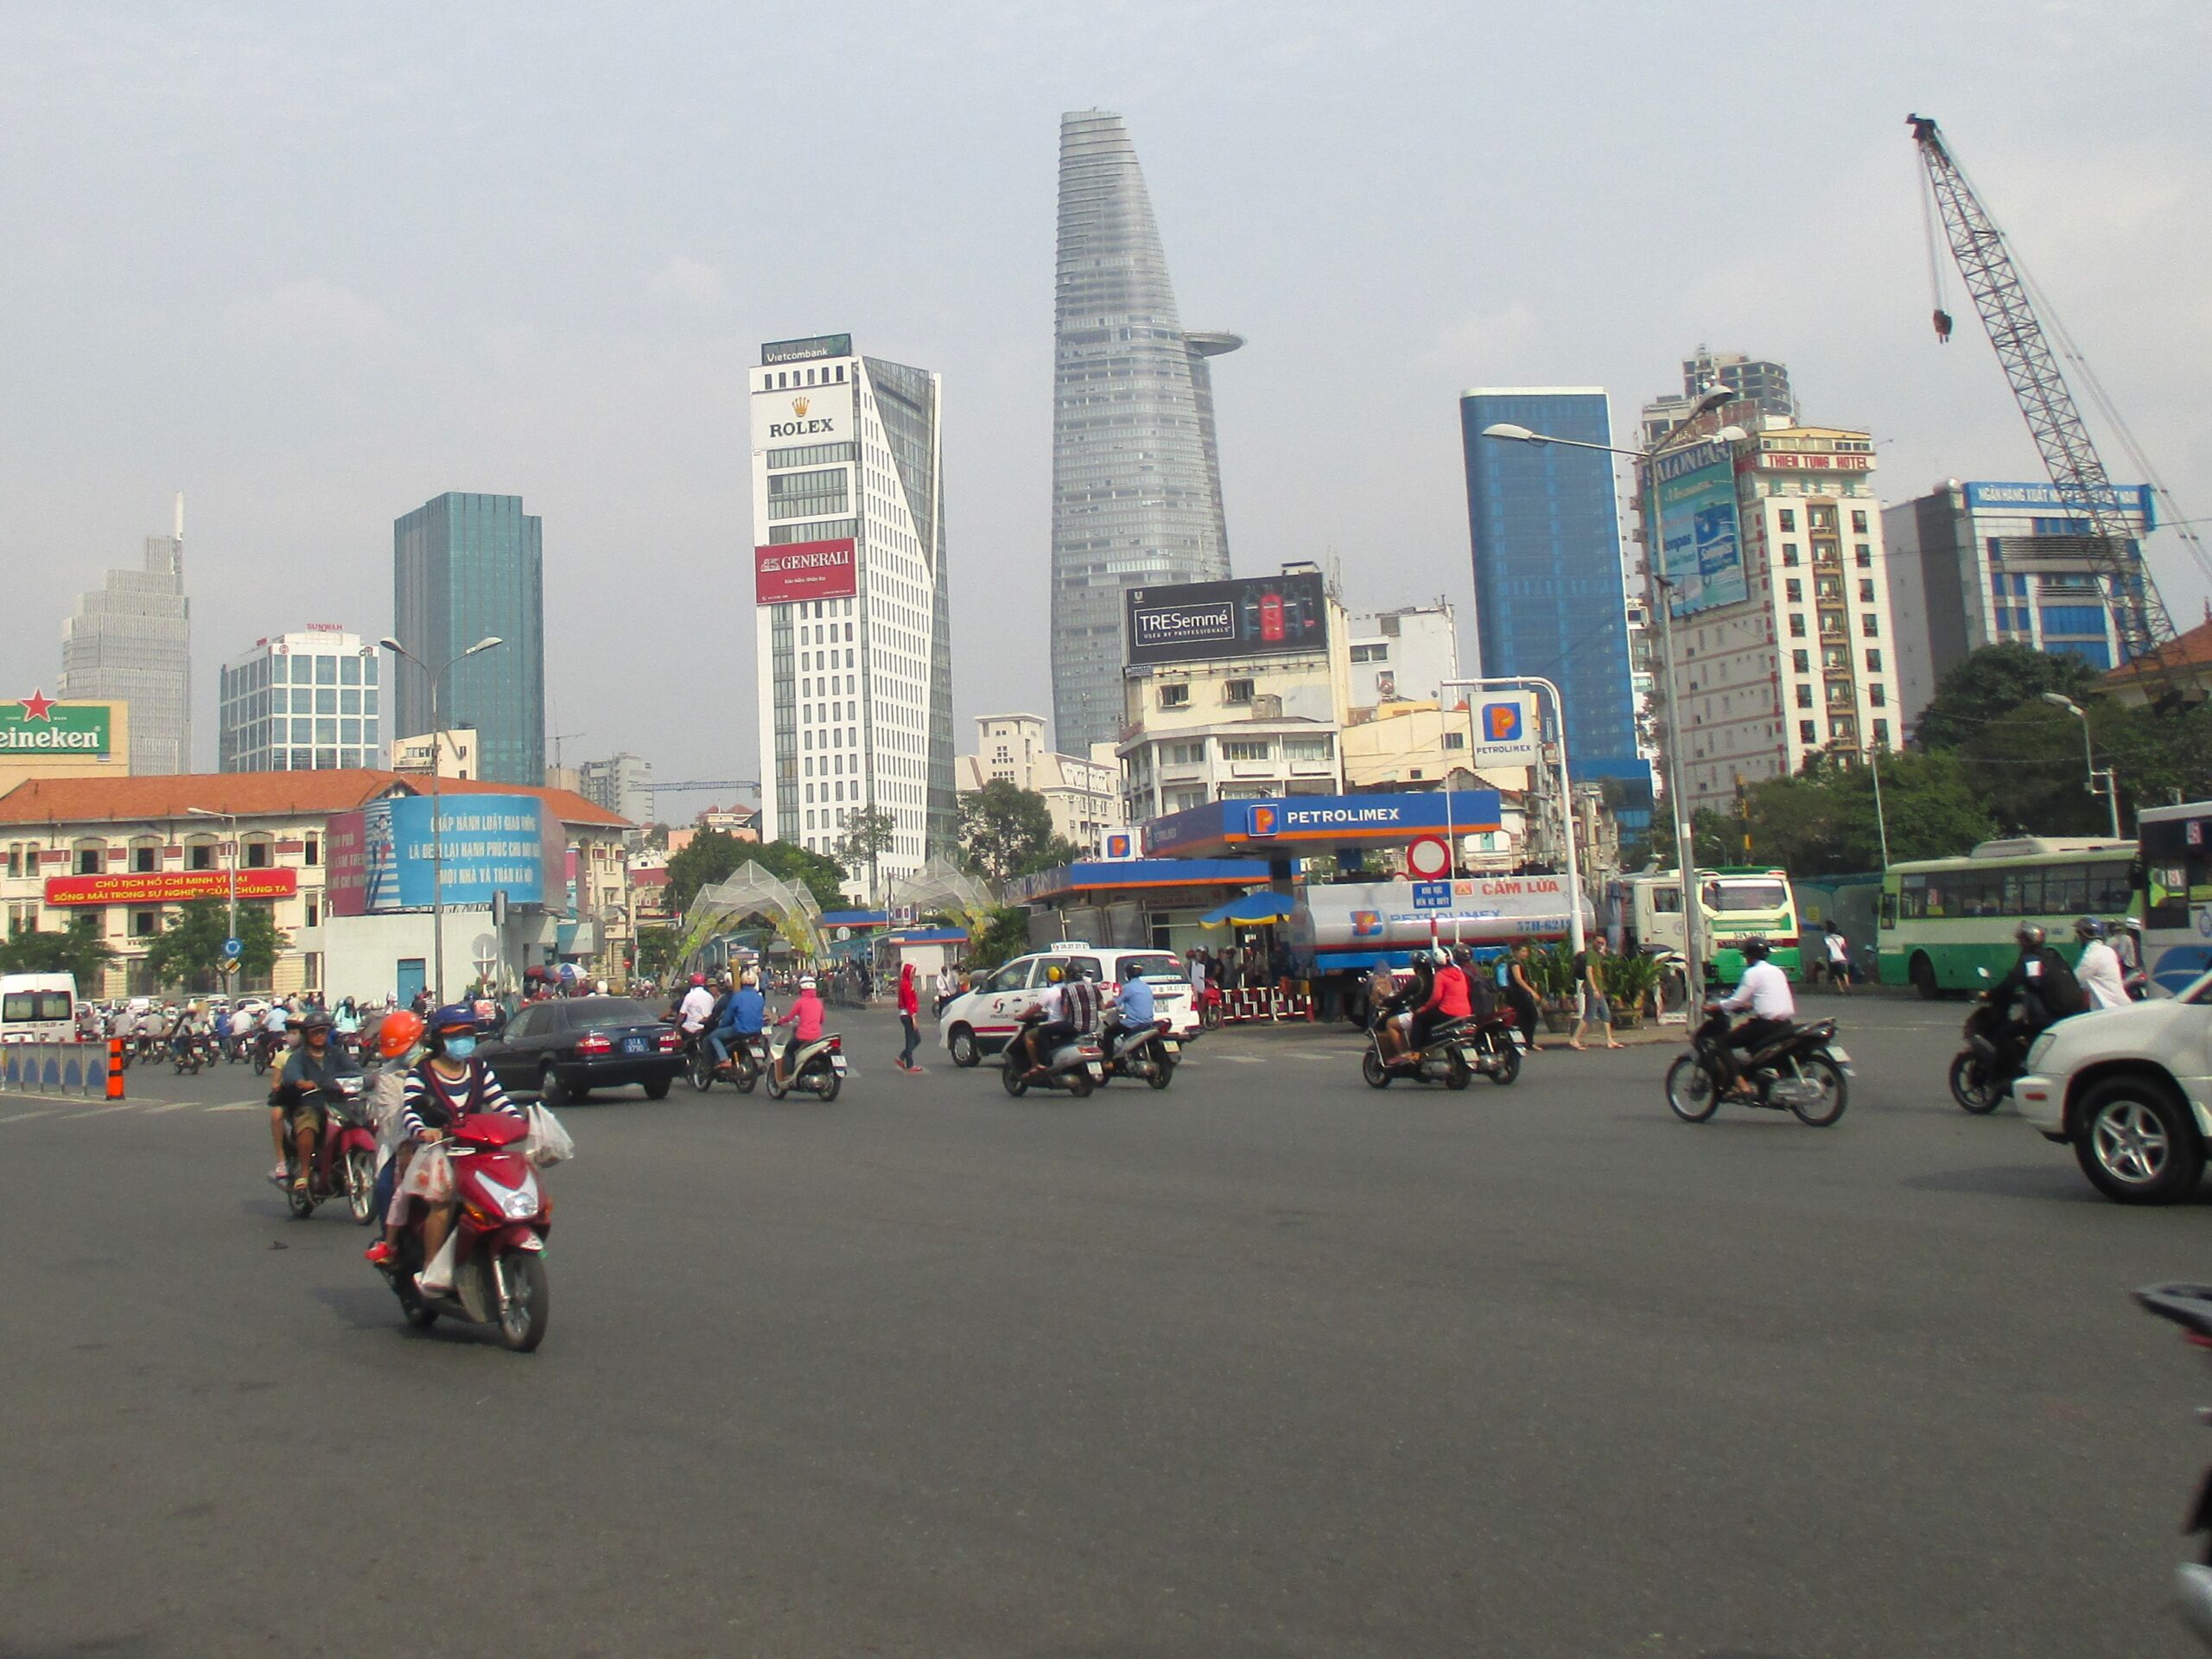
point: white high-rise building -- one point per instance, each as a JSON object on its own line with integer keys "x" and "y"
{"x": 854, "y": 644}
{"x": 131, "y": 641}
{"x": 623, "y": 783}
{"x": 302, "y": 701}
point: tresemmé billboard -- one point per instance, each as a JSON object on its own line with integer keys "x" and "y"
{"x": 1209, "y": 621}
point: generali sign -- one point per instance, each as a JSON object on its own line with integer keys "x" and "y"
{"x": 800, "y": 570}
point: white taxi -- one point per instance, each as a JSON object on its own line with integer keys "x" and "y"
{"x": 980, "y": 1021}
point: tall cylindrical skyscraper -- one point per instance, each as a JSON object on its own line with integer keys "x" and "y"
{"x": 1136, "y": 474}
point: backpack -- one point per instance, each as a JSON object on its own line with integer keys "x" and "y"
{"x": 2060, "y": 992}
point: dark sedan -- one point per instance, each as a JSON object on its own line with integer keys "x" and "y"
{"x": 563, "y": 1049}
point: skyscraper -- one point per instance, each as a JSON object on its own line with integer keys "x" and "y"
{"x": 1757, "y": 380}
{"x": 1136, "y": 471}
{"x": 1551, "y": 597}
{"x": 855, "y": 640}
{"x": 464, "y": 567}
{"x": 623, "y": 783}
{"x": 300, "y": 702}
{"x": 131, "y": 641}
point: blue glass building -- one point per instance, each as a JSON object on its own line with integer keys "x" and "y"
{"x": 463, "y": 566}
{"x": 1550, "y": 597}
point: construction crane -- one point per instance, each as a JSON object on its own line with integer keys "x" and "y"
{"x": 2000, "y": 289}
{"x": 714, "y": 785}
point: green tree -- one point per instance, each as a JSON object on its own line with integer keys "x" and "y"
{"x": 2030, "y": 762}
{"x": 869, "y": 834}
{"x": 657, "y": 948}
{"x": 1006, "y": 831}
{"x": 1993, "y": 680}
{"x": 1823, "y": 821}
{"x": 1004, "y": 936}
{"x": 715, "y": 856}
{"x": 190, "y": 949}
{"x": 77, "y": 949}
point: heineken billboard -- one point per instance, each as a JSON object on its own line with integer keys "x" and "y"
{"x": 39, "y": 725}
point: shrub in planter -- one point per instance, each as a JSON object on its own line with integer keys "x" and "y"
{"x": 1551, "y": 970}
{"x": 1629, "y": 981}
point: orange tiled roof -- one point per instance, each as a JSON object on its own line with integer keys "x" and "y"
{"x": 2189, "y": 650}
{"x": 253, "y": 794}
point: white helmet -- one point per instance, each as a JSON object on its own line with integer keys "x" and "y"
{"x": 806, "y": 981}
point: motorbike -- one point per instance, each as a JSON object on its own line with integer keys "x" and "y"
{"x": 498, "y": 1238}
{"x": 2191, "y": 1308}
{"x": 1078, "y": 1066}
{"x": 1150, "y": 1052}
{"x": 348, "y": 1153}
{"x": 1984, "y": 1071}
{"x": 1799, "y": 1070}
{"x": 196, "y": 1051}
{"x": 748, "y": 1060}
{"x": 1210, "y": 1002}
{"x": 267, "y": 1044}
{"x": 818, "y": 1068}
{"x": 1457, "y": 1052}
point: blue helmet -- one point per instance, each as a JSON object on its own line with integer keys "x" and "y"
{"x": 453, "y": 1020}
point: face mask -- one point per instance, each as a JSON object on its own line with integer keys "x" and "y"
{"x": 459, "y": 1048}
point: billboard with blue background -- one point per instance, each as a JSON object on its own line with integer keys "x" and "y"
{"x": 381, "y": 856}
{"x": 1701, "y": 550}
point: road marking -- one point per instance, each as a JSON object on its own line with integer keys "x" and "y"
{"x": 106, "y": 1111}
{"x": 1244, "y": 1059}
{"x": 22, "y": 1117}
{"x": 168, "y": 1106}
{"x": 242, "y": 1106}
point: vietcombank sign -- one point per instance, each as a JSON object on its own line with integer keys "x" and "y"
{"x": 39, "y": 725}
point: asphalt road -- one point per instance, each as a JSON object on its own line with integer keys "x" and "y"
{"x": 1267, "y": 1365}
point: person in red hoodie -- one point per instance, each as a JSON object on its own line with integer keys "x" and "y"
{"x": 1448, "y": 1000}
{"x": 910, "y": 1006}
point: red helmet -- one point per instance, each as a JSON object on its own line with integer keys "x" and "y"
{"x": 401, "y": 1030}
{"x": 699, "y": 979}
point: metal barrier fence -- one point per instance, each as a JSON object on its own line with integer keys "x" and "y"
{"x": 69, "y": 1068}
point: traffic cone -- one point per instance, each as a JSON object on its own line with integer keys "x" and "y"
{"x": 115, "y": 1068}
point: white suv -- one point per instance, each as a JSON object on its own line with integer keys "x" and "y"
{"x": 979, "y": 1021}
{"x": 2131, "y": 1090}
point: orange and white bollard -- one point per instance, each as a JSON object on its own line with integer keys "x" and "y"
{"x": 115, "y": 1068}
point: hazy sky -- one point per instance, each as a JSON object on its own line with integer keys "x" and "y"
{"x": 314, "y": 266}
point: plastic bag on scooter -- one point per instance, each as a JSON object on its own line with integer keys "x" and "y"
{"x": 429, "y": 1177}
{"x": 547, "y": 1143}
{"x": 437, "y": 1275}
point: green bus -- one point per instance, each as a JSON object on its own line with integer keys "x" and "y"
{"x": 1734, "y": 902}
{"x": 1947, "y": 922}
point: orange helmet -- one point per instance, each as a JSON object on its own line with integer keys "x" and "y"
{"x": 401, "y": 1030}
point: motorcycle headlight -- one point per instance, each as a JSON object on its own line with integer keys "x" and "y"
{"x": 520, "y": 1207}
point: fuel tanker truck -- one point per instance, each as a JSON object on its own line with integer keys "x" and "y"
{"x": 1341, "y": 930}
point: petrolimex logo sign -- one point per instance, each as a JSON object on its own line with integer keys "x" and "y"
{"x": 39, "y": 725}
{"x": 1505, "y": 730}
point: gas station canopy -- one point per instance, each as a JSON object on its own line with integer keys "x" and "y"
{"x": 1297, "y": 824}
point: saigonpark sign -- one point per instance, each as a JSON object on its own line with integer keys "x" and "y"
{"x": 800, "y": 570}
{"x": 39, "y": 725}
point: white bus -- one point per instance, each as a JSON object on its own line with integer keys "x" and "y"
{"x": 38, "y": 1009}
{"x": 2176, "y": 869}
{"x": 1734, "y": 902}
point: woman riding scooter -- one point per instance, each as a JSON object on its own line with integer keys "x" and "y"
{"x": 451, "y": 1084}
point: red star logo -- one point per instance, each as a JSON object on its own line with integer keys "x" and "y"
{"x": 38, "y": 706}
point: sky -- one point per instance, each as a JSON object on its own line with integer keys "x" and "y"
{"x": 315, "y": 265}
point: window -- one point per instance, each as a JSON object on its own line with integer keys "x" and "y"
{"x": 1877, "y": 694}
{"x": 256, "y": 855}
{"x": 1858, "y": 522}
{"x": 145, "y": 856}
{"x": 1865, "y": 592}
{"x": 1788, "y": 517}
{"x": 1869, "y": 627}
{"x": 1862, "y": 555}
{"x": 1175, "y": 697}
{"x": 1804, "y": 696}
{"x": 1666, "y": 901}
{"x": 1820, "y": 517}
{"x": 1237, "y": 691}
{"x": 1797, "y": 626}
{"x": 1371, "y": 653}
{"x": 314, "y": 852}
{"x": 1805, "y": 732}
{"x": 144, "y": 924}
{"x": 1882, "y": 733}
{"x": 1455, "y": 740}
{"x": 1873, "y": 659}
{"x": 200, "y": 855}
{"x": 1012, "y": 976}
{"x": 90, "y": 858}
{"x": 1790, "y": 554}
{"x": 1840, "y": 731}
{"x": 314, "y": 913}
{"x": 1320, "y": 749}
{"x": 1237, "y": 748}
{"x": 1794, "y": 591}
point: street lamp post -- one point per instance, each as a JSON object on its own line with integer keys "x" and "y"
{"x": 1677, "y": 803}
{"x": 230, "y": 930}
{"x": 437, "y": 803}
{"x": 2111, "y": 790}
{"x": 1576, "y": 938}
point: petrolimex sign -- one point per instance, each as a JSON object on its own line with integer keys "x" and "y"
{"x": 39, "y": 725}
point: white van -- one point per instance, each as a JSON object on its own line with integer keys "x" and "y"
{"x": 38, "y": 1008}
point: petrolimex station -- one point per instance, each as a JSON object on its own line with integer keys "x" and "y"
{"x": 1297, "y": 871}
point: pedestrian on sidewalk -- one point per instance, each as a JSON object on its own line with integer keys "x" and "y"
{"x": 1596, "y": 1011}
{"x": 1521, "y": 995}
{"x": 910, "y": 1004}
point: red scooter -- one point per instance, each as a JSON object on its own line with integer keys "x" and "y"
{"x": 498, "y": 1237}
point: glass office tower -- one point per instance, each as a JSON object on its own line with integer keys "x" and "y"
{"x": 1136, "y": 473}
{"x": 463, "y": 566}
{"x": 302, "y": 701}
{"x": 1550, "y": 594}
{"x": 131, "y": 641}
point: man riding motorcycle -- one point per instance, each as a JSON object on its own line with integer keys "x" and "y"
{"x": 1132, "y": 1010}
{"x": 2038, "y": 992}
{"x": 1067, "y": 1009}
{"x": 2097, "y": 970}
{"x": 697, "y": 1006}
{"x": 805, "y": 1017}
{"x": 1765, "y": 993}
{"x": 743, "y": 1017}
{"x": 451, "y": 1083}
{"x": 1448, "y": 999}
{"x": 295, "y": 1107}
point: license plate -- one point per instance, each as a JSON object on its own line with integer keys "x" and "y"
{"x": 1098, "y": 1071}
{"x": 634, "y": 1045}
{"x": 1842, "y": 1060}
{"x": 1171, "y": 1046}
{"x": 838, "y": 1064}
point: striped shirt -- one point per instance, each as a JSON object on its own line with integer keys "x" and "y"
{"x": 432, "y": 1102}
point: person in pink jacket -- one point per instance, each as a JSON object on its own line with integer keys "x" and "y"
{"x": 910, "y": 1006}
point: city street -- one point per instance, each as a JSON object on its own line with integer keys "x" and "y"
{"x": 1270, "y": 1364}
